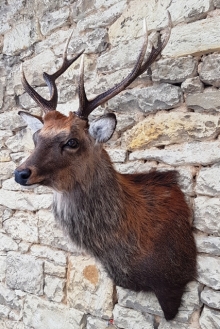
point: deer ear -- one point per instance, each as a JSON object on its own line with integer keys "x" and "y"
{"x": 103, "y": 128}
{"x": 35, "y": 123}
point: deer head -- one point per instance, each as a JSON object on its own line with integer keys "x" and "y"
{"x": 67, "y": 148}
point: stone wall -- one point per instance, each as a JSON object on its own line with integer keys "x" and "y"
{"x": 169, "y": 118}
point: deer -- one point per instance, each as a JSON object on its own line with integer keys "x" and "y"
{"x": 138, "y": 226}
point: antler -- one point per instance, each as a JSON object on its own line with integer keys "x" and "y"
{"x": 87, "y": 106}
{"x": 51, "y": 104}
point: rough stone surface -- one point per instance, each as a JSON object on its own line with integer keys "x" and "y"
{"x": 117, "y": 155}
{"x": 54, "y": 20}
{"x": 54, "y": 288}
{"x": 216, "y": 3}
{"x": 206, "y": 214}
{"x": 93, "y": 323}
{"x": 193, "y": 153}
{"x": 209, "y": 71}
{"x": 209, "y": 318}
{"x": 57, "y": 256}
{"x": 211, "y": 298}
{"x": 192, "y": 86}
{"x": 7, "y": 243}
{"x": 24, "y": 272}
{"x": 203, "y": 40}
{"x": 131, "y": 319}
{"x": 161, "y": 97}
{"x": 42, "y": 314}
{"x": 208, "y": 181}
{"x": 208, "y": 101}
{"x": 209, "y": 271}
{"x": 208, "y": 244}
{"x": 174, "y": 70}
{"x": 171, "y": 128}
{"x": 89, "y": 288}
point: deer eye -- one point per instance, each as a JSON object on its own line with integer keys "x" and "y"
{"x": 73, "y": 143}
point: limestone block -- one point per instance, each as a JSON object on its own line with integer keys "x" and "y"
{"x": 211, "y": 298}
{"x": 26, "y": 102}
{"x": 131, "y": 319}
{"x": 4, "y": 311}
{"x": 208, "y": 181}
{"x": 209, "y": 271}
{"x": 147, "y": 301}
{"x": 209, "y": 319}
{"x": 166, "y": 128}
{"x": 89, "y": 289}
{"x": 7, "y": 243}
{"x": 53, "y": 269}
{"x": 192, "y": 86}
{"x": 5, "y": 156}
{"x": 207, "y": 101}
{"x": 82, "y": 9}
{"x": 194, "y": 153}
{"x": 174, "y": 70}
{"x": 19, "y": 37}
{"x": 21, "y": 142}
{"x": 24, "y": 272}
{"x": 133, "y": 167}
{"x": 173, "y": 325}
{"x": 6, "y": 169}
{"x": 51, "y": 234}
{"x": 158, "y": 97}
{"x": 3, "y": 136}
{"x": 24, "y": 200}
{"x": 206, "y": 215}
{"x": 208, "y": 244}
{"x": 39, "y": 314}
{"x": 52, "y": 20}
{"x": 209, "y": 72}
{"x": 22, "y": 226}
{"x": 10, "y": 121}
{"x": 216, "y": 3}
{"x": 103, "y": 18}
{"x": 54, "y": 288}
{"x": 2, "y": 84}
{"x": 117, "y": 155}
{"x": 129, "y": 25}
{"x": 2, "y": 267}
{"x": 10, "y": 298}
{"x": 94, "y": 323}
{"x": 56, "y": 256}
{"x": 194, "y": 39}
{"x": 8, "y": 324}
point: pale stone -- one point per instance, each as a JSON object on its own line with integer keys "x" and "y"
{"x": 57, "y": 256}
{"x": 216, "y": 3}
{"x": 209, "y": 319}
{"x": 209, "y": 72}
{"x": 10, "y": 298}
{"x": 158, "y": 97}
{"x": 171, "y": 128}
{"x": 54, "y": 288}
{"x": 194, "y": 39}
{"x": 209, "y": 271}
{"x": 26, "y": 102}
{"x": 95, "y": 323}
{"x": 2, "y": 267}
{"x": 147, "y": 301}
{"x": 24, "y": 272}
{"x": 24, "y": 201}
{"x": 51, "y": 234}
{"x": 24, "y": 247}
{"x": 194, "y": 153}
{"x": 6, "y": 169}
{"x": 208, "y": 244}
{"x": 22, "y": 226}
{"x": 5, "y": 156}
{"x": 89, "y": 289}
{"x": 103, "y": 18}
{"x": 124, "y": 122}
{"x": 8, "y": 324}
{"x": 206, "y": 215}
{"x": 117, "y": 155}
{"x": 131, "y": 319}
{"x": 208, "y": 181}
{"x": 19, "y": 37}
{"x": 53, "y": 269}
{"x": 39, "y": 314}
{"x": 208, "y": 101}
{"x": 133, "y": 167}
{"x": 54, "y": 20}
{"x": 7, "y": 243}
{"x": 10, "y": 121}
{"x": 211, "y": 298}
{"x": 192, "y": 86}
{"x": 4, "y": 311}
{"x": 173, "y": 325}
{"x": 174, "y": 70}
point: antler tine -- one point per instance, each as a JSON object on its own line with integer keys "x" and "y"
{"x": 51, "y": 104}
{"x": 138, "y": 69}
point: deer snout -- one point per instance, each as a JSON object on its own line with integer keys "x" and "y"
{"x": 22, "y": 176}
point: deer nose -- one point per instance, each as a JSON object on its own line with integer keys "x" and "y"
{"x": 22, "y": 176}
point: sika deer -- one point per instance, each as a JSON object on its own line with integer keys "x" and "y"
{"x": 136, "y": 225}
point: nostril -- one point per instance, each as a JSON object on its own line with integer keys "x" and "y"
{"x": 21, "y": 176}
{"x": 25, "y": 174}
